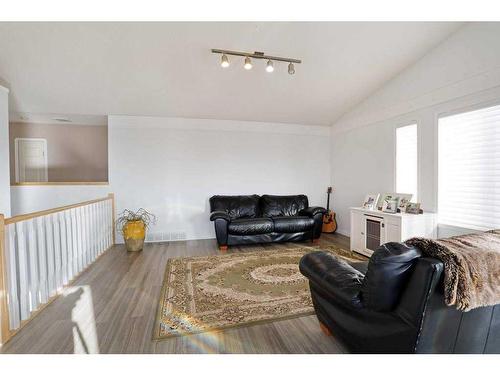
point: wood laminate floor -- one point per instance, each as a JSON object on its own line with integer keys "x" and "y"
{"x": 111, "y": 308}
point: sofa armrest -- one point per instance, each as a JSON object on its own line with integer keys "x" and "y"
{"x": 312, "y": 211}
{"x": 317, "y": 214}
{"x": 333, "y": 276}
{"x": 221, "y": 222}
{"x": 423, "y": 282}
{"x": 219, "y": 215}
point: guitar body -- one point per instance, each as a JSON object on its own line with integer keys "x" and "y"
{"x": 329, "y": 221}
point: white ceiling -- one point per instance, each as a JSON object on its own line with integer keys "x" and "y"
{"x": 167, "y": 69}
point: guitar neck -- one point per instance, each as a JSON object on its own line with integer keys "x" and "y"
{"x": 328, "y": 202}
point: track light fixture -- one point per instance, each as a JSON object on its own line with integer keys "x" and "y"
{"x": 224, "y": 62}
{"x": 256, "y": 55}
{"x": 269, "y": 67}
{"x": 248, "y": 63}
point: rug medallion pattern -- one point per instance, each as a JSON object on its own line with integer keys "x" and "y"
{"x": 215, "y": 292}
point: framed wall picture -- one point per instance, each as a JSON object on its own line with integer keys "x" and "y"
{"x": 390, "y": 205}
{"x": 404, "y": 199}
{"x": 371, "y": 201}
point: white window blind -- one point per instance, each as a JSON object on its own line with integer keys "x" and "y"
{"x": 407, "y": 160}
{"x": 469, "y": 169}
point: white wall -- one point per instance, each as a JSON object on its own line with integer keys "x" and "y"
{"x": 171, "y": 166}
{"x": 4, "y": 153}
{"x": 462, "y": 73}
{"x": 26, "y": 199}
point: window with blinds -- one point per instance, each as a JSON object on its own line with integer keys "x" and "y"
{"x": 406, "y": 160}
{"x": 469, "y": 169}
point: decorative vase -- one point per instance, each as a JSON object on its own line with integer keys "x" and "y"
{"x": 134, "y": 232}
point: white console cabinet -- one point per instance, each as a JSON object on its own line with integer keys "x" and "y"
{"x": 372, "y": 228}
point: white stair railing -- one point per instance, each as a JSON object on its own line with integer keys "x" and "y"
{"x": 42, "y": 252}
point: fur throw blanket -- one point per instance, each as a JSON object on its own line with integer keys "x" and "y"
{"x": 471, "y": 267}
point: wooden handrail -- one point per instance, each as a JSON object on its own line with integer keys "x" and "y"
{"x": 15, "y": 219}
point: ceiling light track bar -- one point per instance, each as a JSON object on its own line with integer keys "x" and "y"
{"x": 256, "y": 55}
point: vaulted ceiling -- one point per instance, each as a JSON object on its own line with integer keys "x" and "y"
{"x": 167, "y": 69}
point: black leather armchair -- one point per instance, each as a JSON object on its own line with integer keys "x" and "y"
{"x": 395, "y": 304}
{"x": 247, "y": 219}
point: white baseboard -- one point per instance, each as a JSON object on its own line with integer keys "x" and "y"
{"x": 343, "y": 232}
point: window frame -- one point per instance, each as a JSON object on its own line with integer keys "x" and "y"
{"x": 398, "y": 125}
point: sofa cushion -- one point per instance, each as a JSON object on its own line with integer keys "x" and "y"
{"x": 389, "y": 269}
{"x": 236, "y": 206}
{"x": 282, "y": 205}
{"x": 292, "y": 224}
{"x": 245, "y": 227}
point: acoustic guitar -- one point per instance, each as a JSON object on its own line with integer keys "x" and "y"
{"x": 329, "y": 221}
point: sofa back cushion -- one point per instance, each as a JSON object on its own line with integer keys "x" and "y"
{"x": 389, "y": 269}
{"x": 282, "y": 205}
{"x": 236, "y": 206}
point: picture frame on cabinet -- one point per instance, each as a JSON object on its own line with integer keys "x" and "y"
{"x": 413, "y": 208}
{"x": 403, "y": 200}
{"x": 383, "y": 198}
{"x": 390, "y": 205}
{"x": 371, "y": 201}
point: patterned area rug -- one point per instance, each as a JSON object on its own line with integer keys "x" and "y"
{"x": 216, "y": 292}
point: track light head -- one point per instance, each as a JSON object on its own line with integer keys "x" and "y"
{"x": 248, "y": 63}
{"x": 224, "y": 62}
{"x": 291, "y": 69}
{"x": 269, "y": 67}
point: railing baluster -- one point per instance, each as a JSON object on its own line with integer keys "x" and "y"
{"x": 12, "y": 277}
{"x": 66, "y": 246}
{"x": 104, "y": 225}
{"x": 79, "y": 232}
{"x": 85, "y": 235}
{"x": 51, "y": 264}
{"x": 101, "y": 227}
{"x": 109, "y": 224}
{"x": 94, "y": 231}
{"x": 59, "y": 262}
{"x": 42, "y": 259}
{"x": 86, "y": 242}
{"x": 24, "y": 302}
{"x": 33, "y": 266}
{"x": 78, "y": 264}
{"x": 73, "y": 258}
{"x": 80, "y": 236}
{"x": 93, "y": 220}
{"x": 88, "y": 235}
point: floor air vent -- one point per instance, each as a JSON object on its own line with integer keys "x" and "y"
{"x": 165, "y": 236}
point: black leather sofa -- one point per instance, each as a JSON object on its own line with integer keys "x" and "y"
{"x": 395, "y": 304}
{"x": 249, "y": 219}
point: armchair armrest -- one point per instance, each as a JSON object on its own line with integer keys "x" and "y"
{"x": 312, "y": 211}
{"x": 219, "y": 215}
{"x": 333, "y": 276}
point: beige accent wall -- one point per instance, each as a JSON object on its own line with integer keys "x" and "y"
{"x": 75, "y": 153}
